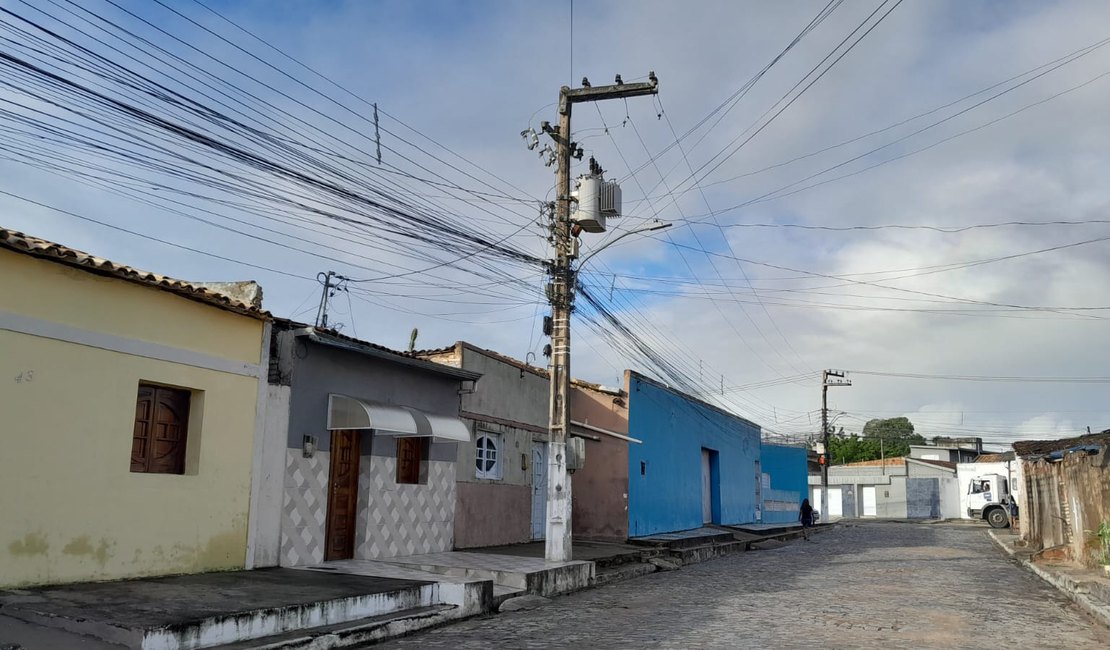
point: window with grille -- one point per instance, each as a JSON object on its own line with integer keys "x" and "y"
{"x": 487, "y": 456}
{"x": 159, "y": 440}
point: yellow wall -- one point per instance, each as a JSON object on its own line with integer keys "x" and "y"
{"x": 63, "y": 294}
{"x": 70, "y": 508}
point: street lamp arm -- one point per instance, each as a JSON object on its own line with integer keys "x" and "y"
{"x": 657, "y": 225}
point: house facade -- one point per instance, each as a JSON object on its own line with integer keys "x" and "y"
{"x": 784, "y": 482}
{"x": 599, "y": 490}
{"x": 364, "y": 442}
{"x": 1066, "y": 496}
{"x": 932, "y": 490}
{"x": 132, "y": 403}
{"x": 501, "y": 492}
{"x": 870, "y": 488}
{"x": 697, "y": 464}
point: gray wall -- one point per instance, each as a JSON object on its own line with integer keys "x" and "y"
{"x": 890, "y": 488}
{"x": 319, "y": 370}
{"x": 948, "y": 489}
{"x": 505, "y": 393}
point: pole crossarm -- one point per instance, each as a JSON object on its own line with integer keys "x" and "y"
{"x": 569, "y": 95}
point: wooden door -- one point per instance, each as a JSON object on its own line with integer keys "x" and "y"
{"x": 342, "y": 496}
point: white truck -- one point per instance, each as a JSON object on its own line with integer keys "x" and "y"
{"x": 989, "y": 498}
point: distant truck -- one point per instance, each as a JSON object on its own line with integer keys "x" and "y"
{"x": 989, "y": 498}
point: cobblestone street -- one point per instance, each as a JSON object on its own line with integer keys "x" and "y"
{"x": 877, "y": 585}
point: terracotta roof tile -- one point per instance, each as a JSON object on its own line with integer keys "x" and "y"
{"x": 48, "y": 250}
{"x": 878, "y": 462}
{"x": 1040, "y": 447}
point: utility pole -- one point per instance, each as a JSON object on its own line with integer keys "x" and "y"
{"x": 558, "y": 542}
{"x": 331, "y": 280}
{"x": 838, "y": 380}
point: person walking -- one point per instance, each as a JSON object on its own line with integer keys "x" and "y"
{"x": 805, "y": 515}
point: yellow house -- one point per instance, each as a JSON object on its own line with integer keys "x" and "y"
{"x": 129, "y": 409}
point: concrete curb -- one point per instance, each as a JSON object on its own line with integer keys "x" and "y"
{"x": 1073, "y": 589}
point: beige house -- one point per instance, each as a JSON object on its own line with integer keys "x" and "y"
{"x": 131, "y": 404}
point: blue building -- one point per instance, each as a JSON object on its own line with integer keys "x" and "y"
{"x": 784, "y": 482}
{"x": 696, "y": 463}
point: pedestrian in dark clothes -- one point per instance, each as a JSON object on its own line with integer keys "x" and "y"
{"x": 805, "y": 515}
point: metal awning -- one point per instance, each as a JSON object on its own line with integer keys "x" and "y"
{"x": 400, "y": 421}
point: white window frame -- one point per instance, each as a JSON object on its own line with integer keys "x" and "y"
{"x": 481, "y": 453}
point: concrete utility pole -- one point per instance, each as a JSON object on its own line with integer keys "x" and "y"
{"x": 838, "y": 376}
{"x": 558, "y": 543}
{"x": 330, "y": 280}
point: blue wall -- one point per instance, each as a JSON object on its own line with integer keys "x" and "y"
{"x": 788, "y": 469}
{"x": 665, "y": 472}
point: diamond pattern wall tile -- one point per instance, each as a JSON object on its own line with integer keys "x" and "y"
{"x": 396, "y": 520}
{"x": 304, "y": 505}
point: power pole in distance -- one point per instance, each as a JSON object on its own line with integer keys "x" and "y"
{"x": 558, "y": 543}
{"x": 331, "y": 280}
{"x": 838, "y": 380}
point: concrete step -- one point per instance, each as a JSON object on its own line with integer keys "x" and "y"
{"x": 351, "y": 633}
{"x": 622, "y": 572}
{"x": 206, "y": 629}
{"x": 684, "y": 540}
{"x": 695, "y": 554}
{"x": 501, "y": 593}
{"x": 541, "y": 579}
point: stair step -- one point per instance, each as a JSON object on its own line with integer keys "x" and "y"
{"x": 501, "y": 593}
{"x": 623, "y": 572}
{"x": 343, "y": 635}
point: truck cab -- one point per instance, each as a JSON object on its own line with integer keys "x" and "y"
{"x": 989, "y": 498}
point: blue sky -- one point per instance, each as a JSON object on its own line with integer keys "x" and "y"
{"x": 471, "y": 76}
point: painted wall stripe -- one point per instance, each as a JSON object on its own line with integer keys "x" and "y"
{"x": 61, "y": 332}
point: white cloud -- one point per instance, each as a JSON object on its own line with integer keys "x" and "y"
{"x": 470, "y": 77}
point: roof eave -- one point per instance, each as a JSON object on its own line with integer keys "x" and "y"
{"x": 312, "y": 334}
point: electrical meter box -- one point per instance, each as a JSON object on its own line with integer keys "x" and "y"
{"x": 576, "y": 453}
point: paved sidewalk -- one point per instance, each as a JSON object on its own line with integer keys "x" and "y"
{"x": 99, "y": 614}
{"x": 1089, "y": 588}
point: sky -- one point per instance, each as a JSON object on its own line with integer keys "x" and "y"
{"x": 864, "y": 223}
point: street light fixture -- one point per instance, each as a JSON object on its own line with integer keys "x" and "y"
{"x": 655, "y": 225}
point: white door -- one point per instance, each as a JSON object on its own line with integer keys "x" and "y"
{"x": 706, "y": 488}
{"x": 869, "y": 501}
{"x": 836, "y": 502}
{"x": 539, "y": 490}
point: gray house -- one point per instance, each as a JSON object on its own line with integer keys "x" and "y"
{"x": 899, "y": 488}
{"x": 502, "y": 470}
{"x": 361, "y": 444}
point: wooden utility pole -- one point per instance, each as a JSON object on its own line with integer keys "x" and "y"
{"x": 838, "y": 375}
{"x": 558, "y": 542}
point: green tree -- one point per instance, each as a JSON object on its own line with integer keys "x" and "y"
{"x": 890, "y": 437}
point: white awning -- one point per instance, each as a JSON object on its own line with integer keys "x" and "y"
{"x": 400, "y": 421}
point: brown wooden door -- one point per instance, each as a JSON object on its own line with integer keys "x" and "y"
{"x": 342, "y": 495}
